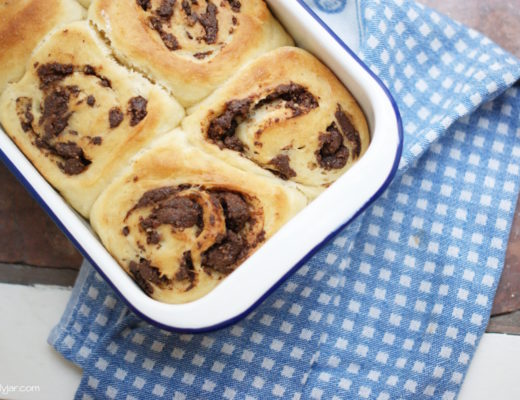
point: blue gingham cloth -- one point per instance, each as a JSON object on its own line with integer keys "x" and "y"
{"x": 392, "y": 307}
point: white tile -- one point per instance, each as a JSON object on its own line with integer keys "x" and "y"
{"x": 493, "y": 372}
{"x": 28, "y": 315}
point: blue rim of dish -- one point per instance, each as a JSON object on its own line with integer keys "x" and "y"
{"x": 313, "y": 251}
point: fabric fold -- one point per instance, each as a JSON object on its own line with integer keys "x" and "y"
{"x": 393, "y": 306}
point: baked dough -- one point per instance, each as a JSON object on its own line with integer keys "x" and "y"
{"x": 23, "y": 23}
{"x": 189, "y": 47}
{"x": 79, "y": 116}
{"x": 178, "y": 209}
{"x": 85, "y": 3}
{"x": 286, "y": 113}
{"x": 178, "y": 220}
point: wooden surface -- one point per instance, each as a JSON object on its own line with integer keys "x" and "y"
{"x": 29, "y": 238}
{"x": 27, "y": 234}
{"x": 497, "y": 19}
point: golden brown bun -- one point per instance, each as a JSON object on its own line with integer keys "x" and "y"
{"x": 156, "y": 39}
{"x": 85, "y": 3}
{"x": 179, "y": 221}
{"x": 286, "y": 113}
{"x": 23, "y": 23}
{"x": 79, "y": 116}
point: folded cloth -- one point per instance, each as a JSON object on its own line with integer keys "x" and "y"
{"x": 392, "y": 307}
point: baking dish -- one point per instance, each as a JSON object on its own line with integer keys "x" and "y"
{"x": 288, "y": 249}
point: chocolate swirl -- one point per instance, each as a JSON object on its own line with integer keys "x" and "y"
{"x": 189, "y": 46}
{"x": 199, "y": 230}
{"x": 79, "y": 116}
{"x": 285, "y": 102}
{"x": 52, "y": 132}
{"x": 287, "y": 114}
{"x": 193, "y": 26}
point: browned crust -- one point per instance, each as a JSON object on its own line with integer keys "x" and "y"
{"x": 137, "y": 43}
{"x": 23, "y": 23}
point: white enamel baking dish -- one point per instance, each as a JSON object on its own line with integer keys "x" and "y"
{"x": 246, "y": 287}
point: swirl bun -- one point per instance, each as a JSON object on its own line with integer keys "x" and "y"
{"x": 23, "y": 23}
{"x": 189, "y": 47}
{"x": 79, "y": 116}
{"x": 179, "y": 221}
{"x": 285, "y": 113}
{"x": 178, "y": 209}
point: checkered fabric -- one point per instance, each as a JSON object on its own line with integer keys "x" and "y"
{"x": 393, "y": 306}
{"x": 330, "y": 6}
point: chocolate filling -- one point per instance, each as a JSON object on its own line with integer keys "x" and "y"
{"x": 165, "y": 10}
{"x": 222, "y": 129}
{"x": 74, "y": 159}
{"x": 202, "y": 55}
{"x": 209, "y": 22}
{"x": 91, "y": 100}
{"x": 24, "y": 112}
{"x": 186, "y": 269}
{"x": 55, "y": 116}
{"x": 144, "y": 4}
{"x": 162, "y": 15}
{"x": 53, "y": 72}
{"x": 222, "y": 256}
{"x": 144, "y": 273}
{"x": 103, "y": 80}
{"x": 349, "y": 131}
{"x": 169, "y": 40}
{"x": 96, "y": 140}
{"x": 231, "y": 248}
{"x": 235, "y": 5}
{"x": 235, "y": 209}
{"x": 192, "y": 17}
{"x": 282, "y": 164}
{"x": 296, "y": 97}
{"x": 154, "y": 196}
{"x": 332, "y": 153}
{"x": 179, "y": 212}
{"x": 74, "y": 166}
{"x": 68, "y": 150}
{"x": 170, "y": 207}
{"x": 73, "y": 162}
{"x": 137, "y": 109}
{"x": 115, "y": 117}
